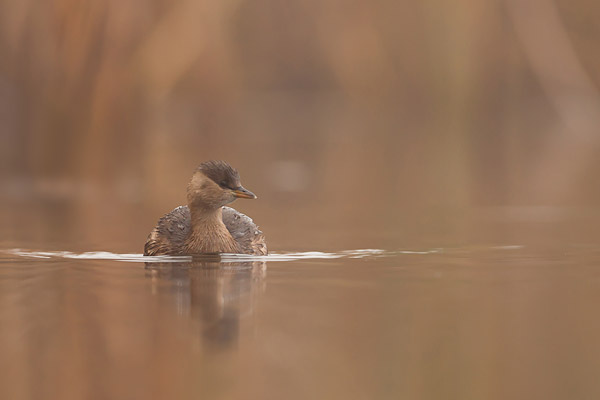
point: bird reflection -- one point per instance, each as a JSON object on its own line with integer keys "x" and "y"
{"x": 214, "y": 294}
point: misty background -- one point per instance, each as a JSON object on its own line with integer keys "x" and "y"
{"x": 358, "y": 124}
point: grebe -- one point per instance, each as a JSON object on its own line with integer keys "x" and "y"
{"x": 205, "y": 225}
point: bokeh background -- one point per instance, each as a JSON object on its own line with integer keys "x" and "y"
{"x": 467, "y": 129}
{"x": 358, "y": 123}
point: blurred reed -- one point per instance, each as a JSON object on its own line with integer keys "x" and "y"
{"x": 330, "y": 105}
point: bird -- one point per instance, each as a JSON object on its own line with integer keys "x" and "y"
{"x": 206, "y": 225}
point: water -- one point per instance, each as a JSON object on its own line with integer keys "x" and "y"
{"x": 493, "y": 322}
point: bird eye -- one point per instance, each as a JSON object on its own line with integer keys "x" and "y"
{"x": 223, "y": 183}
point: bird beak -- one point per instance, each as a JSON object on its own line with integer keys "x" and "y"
{"x": 242, "y": 193}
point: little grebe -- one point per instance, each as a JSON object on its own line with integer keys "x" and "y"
{"x": 205, "y": 225}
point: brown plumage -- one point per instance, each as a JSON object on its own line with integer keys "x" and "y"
{"x": 205, "y": 225}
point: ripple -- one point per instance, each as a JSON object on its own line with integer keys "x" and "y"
{"x": 278, "y": 257}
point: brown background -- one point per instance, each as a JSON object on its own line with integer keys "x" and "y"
{"x": 358, "y": 123}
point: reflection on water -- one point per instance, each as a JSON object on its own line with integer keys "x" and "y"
{"x": 214, "y": 294}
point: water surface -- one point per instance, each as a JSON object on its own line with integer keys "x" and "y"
{"x": 510, "y": 321}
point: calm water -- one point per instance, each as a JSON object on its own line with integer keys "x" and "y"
{"x": 480, "y": 322}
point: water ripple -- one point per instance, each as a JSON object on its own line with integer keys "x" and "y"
{"x": 280, "y": 257}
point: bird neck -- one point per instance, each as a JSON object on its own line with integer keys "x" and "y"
{"x": 208, "y": 233}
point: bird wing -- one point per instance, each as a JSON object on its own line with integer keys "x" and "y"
{"x": 168, "y": 237}
{"x": 245, "y": 232}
